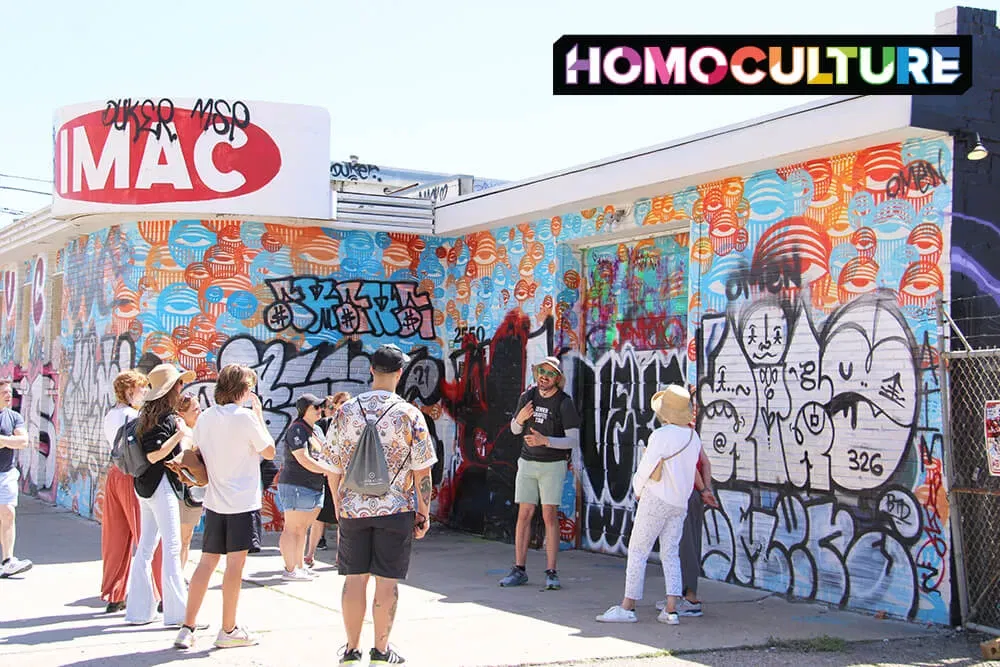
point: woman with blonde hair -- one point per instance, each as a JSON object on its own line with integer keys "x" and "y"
{"x": 158, "y": 488}
{"x": 662, "y": 483}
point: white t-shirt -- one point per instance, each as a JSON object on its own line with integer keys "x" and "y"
{"x": 115, "y": 419}
{"x": 230, "y": 439}
{"x": 674, "y": 487}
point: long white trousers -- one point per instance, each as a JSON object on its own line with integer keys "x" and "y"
{"x": 160, "y": 514}
{"x": 655, "y": 519}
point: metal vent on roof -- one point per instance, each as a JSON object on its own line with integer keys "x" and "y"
{"x": 385, "y": 213}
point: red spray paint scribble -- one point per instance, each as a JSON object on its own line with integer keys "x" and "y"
{"x": 931, "y": 557}
{"x": 467, "y": 401}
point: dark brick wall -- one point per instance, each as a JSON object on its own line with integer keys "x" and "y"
{"x": 975, "y": 237}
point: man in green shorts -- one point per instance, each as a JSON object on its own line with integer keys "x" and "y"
{"x": 548, "y": 419}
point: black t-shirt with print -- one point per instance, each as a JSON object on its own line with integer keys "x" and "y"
{"x": 10, "y": 421}
{"x": 297, "y": 437}
{"x": 553, "y": 417}
{"x": 151, "y": 440}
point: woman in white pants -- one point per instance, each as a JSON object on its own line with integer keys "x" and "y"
{"x": 662, "y": 484}
{"x": 159, "y": 489}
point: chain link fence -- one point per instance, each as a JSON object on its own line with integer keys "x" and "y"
{"x": 974, "y": 380}
{"x": 970, "y": 355}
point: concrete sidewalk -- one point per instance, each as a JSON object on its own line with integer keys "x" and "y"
{"x": 451, "y": 611}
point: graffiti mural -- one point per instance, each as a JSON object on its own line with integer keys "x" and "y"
{"x": 478, "y": 494}
{"x": 799, "y": 301}
{"x": 93, "y": 362}
{"x": 814, "y": 338}
{"x": 637, "y": 295}
{"x": 312, "y": 305}
{"x": 38, "y": 391}
{"x": 614, "y": 394}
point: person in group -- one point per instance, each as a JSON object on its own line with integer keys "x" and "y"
{"x": 662, "y": 484}
{"x": 268, "y": 473}
{"x": 377, "y": 532}
{"x": 690, "y": 546}
{"x": 328, "y": 513}
{"x": 191, "y": 503}
{"x": 232, "y": 440}
{"x": 548, "y": 419}
{"x": 121, "y": 517}
{"x": 158, "y": 489}
{"x": 300, "y": 484}
{"x": 13, "y": 436}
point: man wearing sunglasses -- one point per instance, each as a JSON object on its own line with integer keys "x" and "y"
{"x": 548, "y": 419}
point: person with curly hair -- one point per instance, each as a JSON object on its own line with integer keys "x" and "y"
{"x": 121, "y": 517}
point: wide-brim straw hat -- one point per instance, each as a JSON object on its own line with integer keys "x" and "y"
{"x": 553, "y": 363}
{"x": 163, "y": 378}
{"x": 673, "y": 405}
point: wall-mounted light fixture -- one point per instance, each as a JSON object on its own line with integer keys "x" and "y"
{"x": 979, "y": 151}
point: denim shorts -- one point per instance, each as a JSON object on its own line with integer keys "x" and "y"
{"x": 299, "y": 498}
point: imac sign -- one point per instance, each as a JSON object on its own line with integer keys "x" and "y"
{"x": 205, "y": 155}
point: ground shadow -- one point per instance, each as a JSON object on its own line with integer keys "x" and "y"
{"x": 148, "y": 659}
{"x": 42, "y": 637}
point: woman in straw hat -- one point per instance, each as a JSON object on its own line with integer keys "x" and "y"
{"x": 159, "y": 489}
{"x": 662, "y": 484}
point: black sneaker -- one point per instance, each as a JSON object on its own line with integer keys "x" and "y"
{"x": 322, "y": 544}
{"x": 114, "y": 607}
{"x": 390, "y": 657}
{"x": 352, "y": 657}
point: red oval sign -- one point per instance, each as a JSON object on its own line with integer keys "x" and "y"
{"x": 144, "y": 155}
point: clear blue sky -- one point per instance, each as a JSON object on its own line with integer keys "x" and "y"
{"x": 436, "y": 85}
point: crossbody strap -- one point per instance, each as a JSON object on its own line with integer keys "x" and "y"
{"x": 690, "y": 438}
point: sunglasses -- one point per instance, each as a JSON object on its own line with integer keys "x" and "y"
{"x": 547, "y": 373}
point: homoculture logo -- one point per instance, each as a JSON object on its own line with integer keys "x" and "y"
{"x": 775, "y": 65}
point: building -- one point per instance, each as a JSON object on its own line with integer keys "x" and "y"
{"x": 791, "y": 268}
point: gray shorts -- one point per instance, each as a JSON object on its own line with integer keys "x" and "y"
{"x": 9, "y": 487}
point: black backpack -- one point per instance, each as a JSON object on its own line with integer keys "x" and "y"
{"x": 127, "y": 452}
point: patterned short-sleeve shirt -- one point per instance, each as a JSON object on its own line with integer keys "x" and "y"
{"x": 405, "y": 440}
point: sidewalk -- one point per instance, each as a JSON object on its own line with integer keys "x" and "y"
{"x": 451, "y": 611}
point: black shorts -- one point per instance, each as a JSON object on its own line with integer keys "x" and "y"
{"x": 328, "y": 513}
{"x": 227, "y": 533}
{"x": 378, "y": 545}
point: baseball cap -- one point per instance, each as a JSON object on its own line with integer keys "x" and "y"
{"x": 389, "y": 359}
{"x": 307, "y": 400}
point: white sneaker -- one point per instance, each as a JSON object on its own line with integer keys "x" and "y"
{"x": 668, "y": 617}
{"x": 684, "y": 607}
{"x": 296, "y": 575}
{"x": 617, "y": 614}
{"x": 14, "y": 566}
{"x": 238, "y": 637}
{"x": 687, "y": 608}
{"x": 309, "y": 573}
{"x": 185, "y": 638}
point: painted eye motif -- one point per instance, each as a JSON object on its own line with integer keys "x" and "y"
{"x": 926, "y": 238}
{"x": 857, "y": 277}
{"x": 722, "y": 228}
{"x": 865, "y": 241}
{"x": 921, "y": 282}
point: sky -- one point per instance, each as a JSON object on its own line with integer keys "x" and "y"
{"x": 458, "y": 87}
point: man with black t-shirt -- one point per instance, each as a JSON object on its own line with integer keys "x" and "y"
{"x": 12, "y": 436}
{"x": 547, "y": 417}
